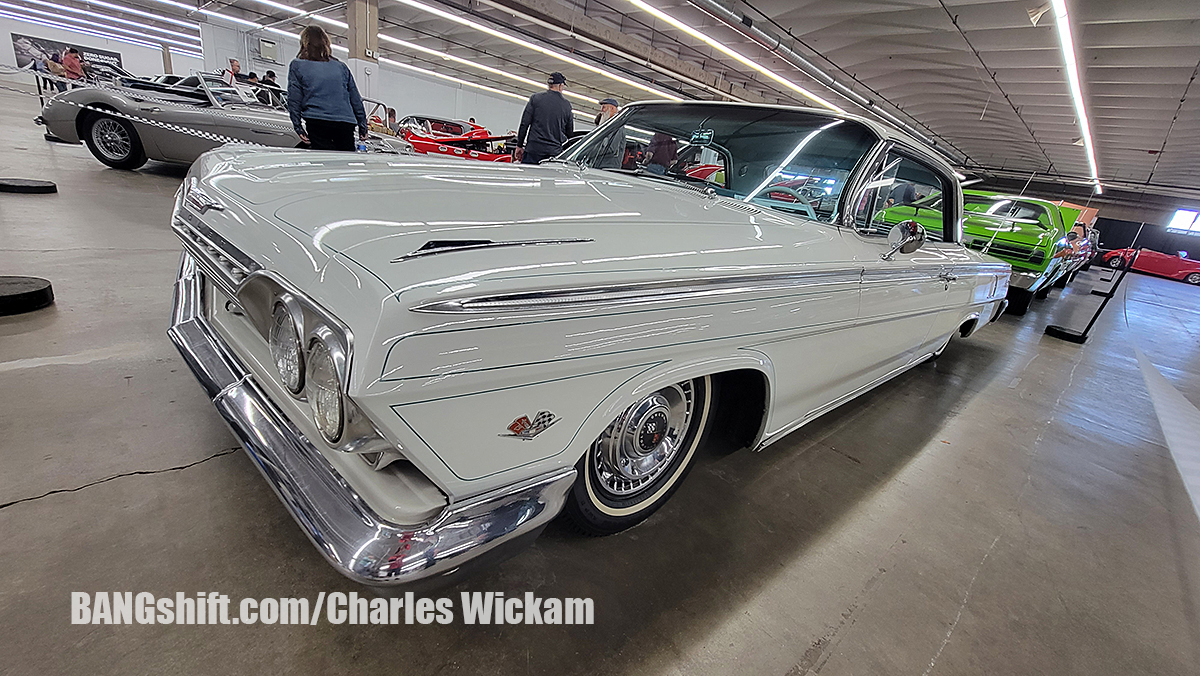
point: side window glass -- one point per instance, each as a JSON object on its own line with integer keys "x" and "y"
{"x": 902, "y": 189}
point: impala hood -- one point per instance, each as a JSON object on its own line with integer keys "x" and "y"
{"x": 378, "y": 210}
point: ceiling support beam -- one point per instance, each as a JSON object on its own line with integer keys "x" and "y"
{"x": 362, "y": 16}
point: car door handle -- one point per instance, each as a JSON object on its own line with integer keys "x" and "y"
{"x": 266, "y": 131}
{"x": 151, "y": 109}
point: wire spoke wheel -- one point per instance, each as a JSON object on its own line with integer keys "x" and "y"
{"x": 112, "y": 139}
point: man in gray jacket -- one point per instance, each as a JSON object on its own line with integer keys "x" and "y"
{"x": 546, "y": 123}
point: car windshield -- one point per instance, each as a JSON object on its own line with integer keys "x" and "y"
{"x": 791, "y": 160}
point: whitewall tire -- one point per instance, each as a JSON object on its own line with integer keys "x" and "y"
{"x": 640, "y": 459}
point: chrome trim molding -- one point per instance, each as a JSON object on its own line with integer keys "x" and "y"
{"x": 476, "y": 246}
{"x": 647, "y": 292}
{"x": 358, "y": 542}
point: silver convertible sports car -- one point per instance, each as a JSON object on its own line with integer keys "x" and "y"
{"x": 126, "y": 124}
{"x": 428, "y": 359}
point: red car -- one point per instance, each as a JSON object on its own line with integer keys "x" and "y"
{"x": 458, "y": 139}
{"x": 1165, "y": 265}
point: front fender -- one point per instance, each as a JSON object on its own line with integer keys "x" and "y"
{"x": 666, "y": 374}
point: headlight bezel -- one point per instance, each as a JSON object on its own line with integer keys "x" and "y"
{"x": 295, "y": 314}
{"x": 321, "y": 347}
{"x": 258, "y": 296}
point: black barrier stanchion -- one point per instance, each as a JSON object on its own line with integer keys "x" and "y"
{"x": 1063, "y": 333}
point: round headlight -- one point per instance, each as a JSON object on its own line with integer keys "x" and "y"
{"x": 324, "y": 391}
{"x": 286, "y": 349}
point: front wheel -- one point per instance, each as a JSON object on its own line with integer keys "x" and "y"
{"x": 1193, "y": 278}
{"x": 1116, "y": 262}
{"x": 113, "y": 141}
{"x": 640, "y": 459}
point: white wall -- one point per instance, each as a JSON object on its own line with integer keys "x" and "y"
{"x": 136, "y": 59}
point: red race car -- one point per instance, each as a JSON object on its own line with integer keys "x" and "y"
{"x": 1165, "y": 265}
{"x": 458, "y": 139}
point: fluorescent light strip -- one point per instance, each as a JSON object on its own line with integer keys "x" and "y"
{"x": 136, "y": 24}
{"x": 208, "y": 12}
{"x": 467, "y": 62}
{"x": 94, "y": 33}
{"x": 736, "y": 56}
{"x": 433, "y": 52}
{"x": 93, "y": 22}
{"x": 537, "y": 48}
{"x": 570, "y": 33}
{"x": 1063, "y": 22}
{"x": 148, "y": 15}
{"x": 90, "y": 24}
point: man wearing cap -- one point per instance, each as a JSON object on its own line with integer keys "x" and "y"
{"x": 546, "y": 123}
{"x": 608, "y": 108}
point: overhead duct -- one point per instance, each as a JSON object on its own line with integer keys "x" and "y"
{"x": 767, "y": 40}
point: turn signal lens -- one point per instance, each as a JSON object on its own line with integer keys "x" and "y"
{"x": 286, "y": 352}
{"x": 324, "y": 392}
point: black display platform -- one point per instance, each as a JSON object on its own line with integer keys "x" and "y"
{"x": 27, "y": 186}
{"x": 24, "y": 294}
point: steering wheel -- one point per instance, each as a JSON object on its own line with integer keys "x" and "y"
{"x": 801, "y": 201}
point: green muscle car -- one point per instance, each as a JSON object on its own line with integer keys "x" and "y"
{"x": 1026, "y": 232}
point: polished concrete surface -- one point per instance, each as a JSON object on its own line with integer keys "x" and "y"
{"x": 1009, "y": 509}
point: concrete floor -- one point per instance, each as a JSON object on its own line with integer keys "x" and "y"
{"x": 1009, "y": 509}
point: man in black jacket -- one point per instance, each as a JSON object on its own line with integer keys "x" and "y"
{"x": 547, "y": 122}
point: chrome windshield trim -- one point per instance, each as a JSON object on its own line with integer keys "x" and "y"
{"x": 433, "y": 251}
{"x": 637, "y": 293}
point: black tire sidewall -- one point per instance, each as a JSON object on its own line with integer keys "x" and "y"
{"x": 587, "y": 515}
{"x": 1018, "y": 302}
{"x": 1193, "y": 276}
{"x": 137, "y": 155}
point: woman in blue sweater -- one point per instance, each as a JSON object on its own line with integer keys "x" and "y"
{"x": 321, "y": 92}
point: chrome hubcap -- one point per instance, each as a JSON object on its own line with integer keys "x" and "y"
{"x": 642, "y": 441}
{"x": 111, "y": 138}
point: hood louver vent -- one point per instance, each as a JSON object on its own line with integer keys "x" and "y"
{"x": 440, "y": 246}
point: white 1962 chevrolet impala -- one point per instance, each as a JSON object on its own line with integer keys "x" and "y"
{"x": 429, "y": 358}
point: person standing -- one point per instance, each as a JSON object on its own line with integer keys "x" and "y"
{"x": 608, "y": 109}
{"x": 72, "y": 64}
{"x": 322, "y": 93}
{"x": 269, "y": 79}
{"x": 546, "y": 123}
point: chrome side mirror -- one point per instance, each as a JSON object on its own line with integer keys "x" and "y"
{"x": 905, "y": 237}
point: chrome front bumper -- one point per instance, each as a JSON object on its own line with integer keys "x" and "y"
{"x": 357, "y": 541}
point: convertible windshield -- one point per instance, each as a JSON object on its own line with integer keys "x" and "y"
{"x": 786, "y": 159}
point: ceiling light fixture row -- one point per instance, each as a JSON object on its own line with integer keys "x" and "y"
{"x": 733, "y": 54}
{"x": 194, "y": 37}
{"x": 94, "y": 25}
{"x": 89, "y": 31}
{"x": 1067, "y": 44}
